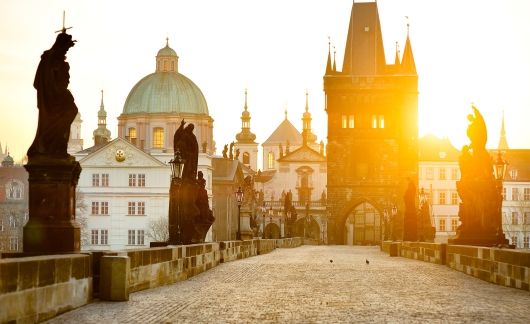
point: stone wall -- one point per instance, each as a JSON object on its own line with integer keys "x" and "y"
{"x": 33, "y": 289}
{"x": 235, "y": 250}
{"x": 500, "y": 266}
{"x": 289, "y": 242}
{"x": 424, "y": 251}
{"x": 505, "y": 267}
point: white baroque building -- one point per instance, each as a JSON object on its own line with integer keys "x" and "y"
{"x": 124, "y": 183}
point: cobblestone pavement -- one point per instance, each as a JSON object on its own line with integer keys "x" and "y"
{"x": 301, "y": 285}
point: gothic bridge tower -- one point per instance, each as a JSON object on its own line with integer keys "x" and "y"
{"x": 372, "y": 151}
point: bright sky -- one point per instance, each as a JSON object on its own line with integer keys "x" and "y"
{"x": 466, "y": 51}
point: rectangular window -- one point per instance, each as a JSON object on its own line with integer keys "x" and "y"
{"x": 454, "y": 224}
{"x": 12, "y": 222}
{"x": 429, "y": 173}
{"x": 94, "y": 237}
{"x": 351, "y": 121}
{"x": 104, "y": 236}
{"x": 95, "y": 179}
{"x": 503, "y": 193}
{"x": 515, "y": 193}
{"x": 381, "y": 121}
{"x": 454, "y": 198}
{"x": 526, "y": 242}
{"x": 374, "y": 121}
{"x": 454, "y": 174}
{"x": 526, "y": 193}
{"x": 104, "y": 208}
{"x": 141, "y": 180}
{"x": 140, "y": 237}
{"x": 441, "y": 224}
{"x": 441, "y": 198}
{"x": 158, "y": 137}
{"x": 13, "y": 243}
{"x": 441, "y": 173}
{"x": 514, "y": 240}
{"x": 132, "y": 237}
{"x": 141, "y": 208}
{"x": 515, "y": 218}
{"x": 132, "y": 180}
{"x": 95, "y": 208}
{"x": 105, "y": 180}
{"x": 131, "y": 210}
{"x": 344, "y": 121}
{"x": 526, "y": 218}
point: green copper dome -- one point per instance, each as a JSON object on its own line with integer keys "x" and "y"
{"x": 165, "y": 92}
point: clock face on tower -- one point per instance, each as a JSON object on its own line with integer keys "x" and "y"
{"x": 120, "y": 155}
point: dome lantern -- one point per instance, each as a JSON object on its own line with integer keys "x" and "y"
{"x": 167, "y": 59}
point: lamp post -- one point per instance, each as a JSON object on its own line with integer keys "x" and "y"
{"x": 263, "y": 211}
{"x": 287, "y": 223}
{"x": 239, "y": 198}
{"x": 499, "y": 168}
{"x": 385, "y": 219}
{"x": 392, "y": 221}
{"x": 271, "y": 212}
{"x": 177, "y": 166}
{"x": 306, "y": 218}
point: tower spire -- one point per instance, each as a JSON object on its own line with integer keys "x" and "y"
{"x": 307, "y": 135}
{"x": 245, "y": 100}
{"x": 503, "y": 143}
{"x": 334, "y": 59}
{"x": 102, "y": 134}
{"x": 245, "y": 136}
{"x": 408, "y": 66}
{"x": 396, "y": 60}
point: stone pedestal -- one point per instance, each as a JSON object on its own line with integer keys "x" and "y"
{"x": 51, "y": 227}
{"x": 246, "y": 230}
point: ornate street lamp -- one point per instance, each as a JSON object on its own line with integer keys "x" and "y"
{"x": 499, "y": 167}
{"x": 392, "y": 221}
{"x": 239, "y": 198}
{"x": 271, "y": 212}
{"x": 177, "y": 166}
{"x": 385, "y": 219}
{"x": 263, "y": 211}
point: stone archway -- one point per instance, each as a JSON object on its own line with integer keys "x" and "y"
{"x": 362, "y": 225}
{"x": 307, "y": 227}
{"x": 272, "y": 231}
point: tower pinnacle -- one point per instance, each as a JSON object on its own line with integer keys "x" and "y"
{"x": 503, "y": 143}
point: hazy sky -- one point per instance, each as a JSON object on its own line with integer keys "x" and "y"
{"x": 465, "y": 50}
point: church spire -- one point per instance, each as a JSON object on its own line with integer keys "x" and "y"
{"x": 307, "y": 135}
{"x": 102, "y": 134}
{"x": 334, "y": 59}
{"x": 245, "y": 136}
{"x": 408, "y": 66}
{"x": 396, "y": 60}
{"x": 503, "y": 143}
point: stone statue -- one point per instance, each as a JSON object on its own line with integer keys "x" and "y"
{"x": 476, "y": 130}
{"x": 56, "y": 104}
{"x": 231, "y": 156}
{"x": 225, "y": 150}
{"x": 410, "y": 230}
{"x": 185, "y": 141}
{"x": 205, "y": 219}
{"x": 261, "y": 197}
{"x": 280, "y": 147}
{"x": 323, "y": 197}
{"x": 204, "y": 146}
{"x": 237, "y": 154}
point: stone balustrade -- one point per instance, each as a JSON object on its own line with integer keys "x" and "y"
{"x": 33, "y": 289}
{"x": 505, "y": 267}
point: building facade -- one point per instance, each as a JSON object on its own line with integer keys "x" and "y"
{"x": 372, "y": 151}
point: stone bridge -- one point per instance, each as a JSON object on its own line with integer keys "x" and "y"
{"x": 318, "y": 284}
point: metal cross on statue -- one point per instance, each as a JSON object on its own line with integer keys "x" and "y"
{"x": 63, "y": 30}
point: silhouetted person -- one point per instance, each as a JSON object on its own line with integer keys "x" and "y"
{"x": 56, "y": 104}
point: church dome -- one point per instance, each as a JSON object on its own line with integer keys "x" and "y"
{"x": 166, "y": 90}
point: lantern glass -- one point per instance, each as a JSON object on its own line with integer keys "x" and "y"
{"x": 239, "y": 196}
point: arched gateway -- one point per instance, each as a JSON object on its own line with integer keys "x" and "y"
{"x": 362, "y": 225}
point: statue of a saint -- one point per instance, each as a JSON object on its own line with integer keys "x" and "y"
{"x": 231, "y": 156}
{"x": 476, "y": 130}
{"x": 56, "y": 104}
{"x": 225, "y": 151}
{"x": 237, "y": 154}
{"x": 185, "y": 141}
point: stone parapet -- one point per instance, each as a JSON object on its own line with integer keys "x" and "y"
{"x": 33, "y": 289}
{"x": 424, "y": 251}
{"x": 289, "y": 242}
{"x": 500, "y": 266}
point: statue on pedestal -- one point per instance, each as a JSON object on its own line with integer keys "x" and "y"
{"x": 410, "y": 230}
{"x": 480, "y": 192}
{"x": 53, "y": 173}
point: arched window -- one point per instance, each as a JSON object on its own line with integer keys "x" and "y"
{"x": 15, "y": 190}
{"x": 271, "y": 160}
{"x": 246, "y": 158}
{"x": 158, "y": 137}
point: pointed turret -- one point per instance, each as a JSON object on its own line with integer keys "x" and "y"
{"x": 503, "y": 143}
{"x": 102, "y": 134}
{"x": 364, "y": 54}
{"x": 307, "y": 136}
{"x": 396, "y": 60}
{"x": 334, "y": 59}
{"x": 245, "y": 136}
{"x": 408, "y": 66}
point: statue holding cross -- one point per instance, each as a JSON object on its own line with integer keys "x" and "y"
{"x": 56, "y": 105}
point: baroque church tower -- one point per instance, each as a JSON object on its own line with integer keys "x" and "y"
{"x": 246, "y": 144}
{"x": 102, "y": 134}
{"x": 372, "y": 151}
